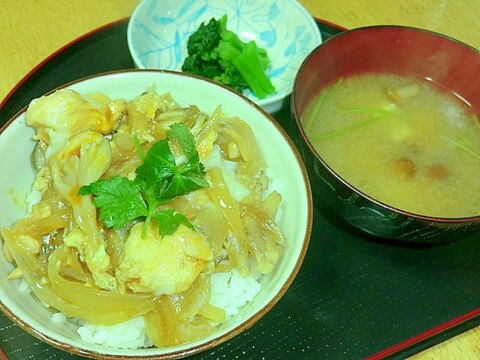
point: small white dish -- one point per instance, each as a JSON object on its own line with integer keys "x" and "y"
{"x": 158, "y": 32}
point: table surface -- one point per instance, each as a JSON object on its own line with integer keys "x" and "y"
{"x": 31, "y": 30}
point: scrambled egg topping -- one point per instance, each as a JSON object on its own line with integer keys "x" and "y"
{"x": 73, "y": 129}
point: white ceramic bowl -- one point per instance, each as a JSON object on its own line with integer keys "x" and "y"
{"x": 284, "y": 164}
{"x": 158, "y": 32}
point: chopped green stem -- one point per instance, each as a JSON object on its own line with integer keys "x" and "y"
{"x": 347, "y": 129}
{"x": 465, "y": 145}
{"x": 322, "y": 100}
{"x": 475, "y": 120}
{"x": 372, "y": 111}
{"x": 138, "y": 148}
{"x": 146, "y": 223}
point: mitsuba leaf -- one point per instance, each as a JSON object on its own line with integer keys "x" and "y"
{"x": 189, "y": 176}
{"x": 159, "y": 164}
{"x": 186, "y": 140}
{"x": 169, "y": 220}
{"x": 119, "y": 200}
{"x": 181, "y": 185}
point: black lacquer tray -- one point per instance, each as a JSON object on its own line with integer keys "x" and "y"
{"x": 354, "y": 297}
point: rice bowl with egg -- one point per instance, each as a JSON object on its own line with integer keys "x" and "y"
{"x": 266, "y": 285}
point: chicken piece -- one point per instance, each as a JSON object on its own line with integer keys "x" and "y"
{"x": 65, "y": 113}
{"x": 163, "y": 265}
{"x": 92, "y": 156}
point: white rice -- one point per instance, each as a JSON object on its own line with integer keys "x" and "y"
{"x": 59, "y": 318}
{"x": 230, "y": 291}
{"x": 23, "y": 286}
{"x": 127, "y": 335}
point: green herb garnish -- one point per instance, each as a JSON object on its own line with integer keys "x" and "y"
{"x": 218, "y": 54}
{"x": 159, "y": 180}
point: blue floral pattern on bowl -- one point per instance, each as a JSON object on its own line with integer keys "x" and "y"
{"x": 159, "y": 29}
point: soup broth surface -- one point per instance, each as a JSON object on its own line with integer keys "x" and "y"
{"x": 401, "y": 140}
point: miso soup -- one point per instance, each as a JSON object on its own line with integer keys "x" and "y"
{"x": 403, "y": 141}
